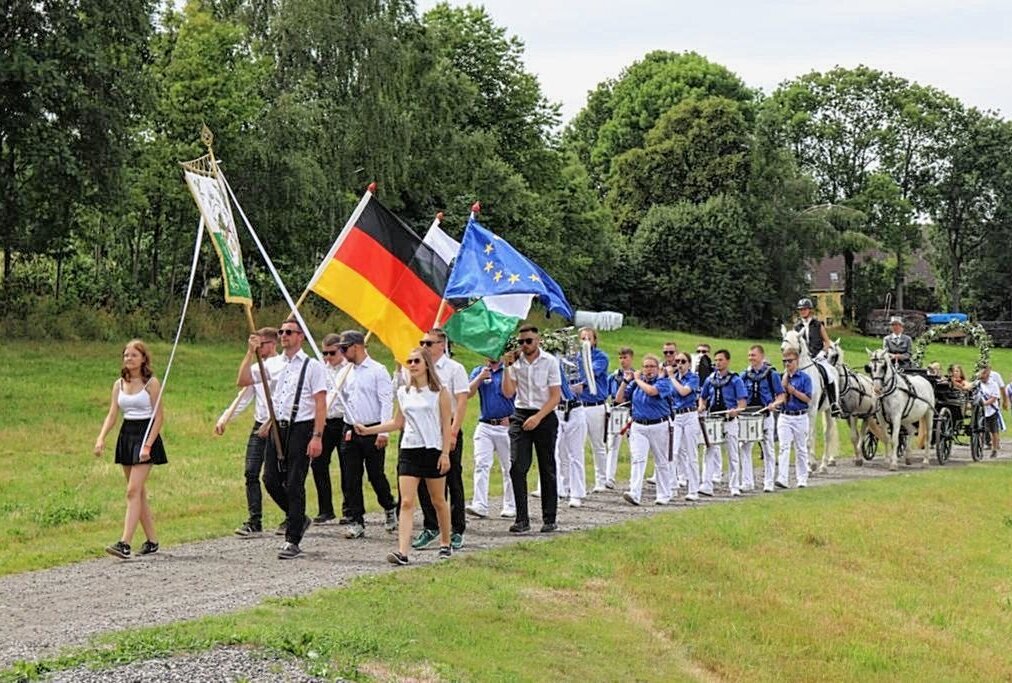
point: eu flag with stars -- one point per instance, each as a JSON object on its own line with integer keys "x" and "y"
{"x": 487, "y": 265}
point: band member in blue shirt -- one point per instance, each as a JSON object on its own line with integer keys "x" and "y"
{"x": 618, "y": 415}
{"x": 762, "y": 383}
{"x": 792, "y": 425}
{"x": 491, "y": 437}
{"x": 650, "y": 396}
{"x": 723, "y": 395}
{"x": 595, "y": 410}
{"x": 571, "y": 474}
{"x": 685, "y": 433}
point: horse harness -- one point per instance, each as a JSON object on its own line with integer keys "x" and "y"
{"x": 849, "y": 383}
{"x": 908, "y": 389}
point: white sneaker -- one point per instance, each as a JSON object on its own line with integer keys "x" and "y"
{"x": 662, "y": 502}
{"x": 536, "y": 493}
{"x": 704, "y": 492}
{"x": 802, "y": 485}
{"x": 767, "y": 489}
{"x": 508, "y": 514}
{"x": 691, "y": 497}
{"x": 610, "y": 484}
{"x": 683, "y": 483}
{"x": 735, "y": 492}
{"x": 651, "y": 480}
{"x": 629, "y": 498}
{"x": 598, "y": 489}
{"x": 575, "y": 503}
{"x": 473, "y": 510}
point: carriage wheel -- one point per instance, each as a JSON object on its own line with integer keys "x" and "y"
{"x": 944, "y": 428}
{"x": 869, "y": 444}
{"x": 978, "y": 434}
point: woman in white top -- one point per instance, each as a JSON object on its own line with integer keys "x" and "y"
{"x": 135, "y": 393}
{"x": 423, "y": 414}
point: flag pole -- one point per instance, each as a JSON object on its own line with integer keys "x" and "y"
{"x": 442, "y": 302}
{"x": 207, "y": 137}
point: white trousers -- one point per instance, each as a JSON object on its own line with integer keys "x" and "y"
{"x": 596, "y": 416}
{"x": 652, "y": 438}
{"x": 793, "y": 429}
{"x": 614, "y": 444}
{"x": 490, "y": 441}
{"x": 769, "y": 459}
{"x": 687, "y": 434}
{"x": 712, "y": 460}
{"x": 570, "y": 473}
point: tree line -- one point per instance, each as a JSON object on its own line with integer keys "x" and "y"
{"x": 679, "y": 194}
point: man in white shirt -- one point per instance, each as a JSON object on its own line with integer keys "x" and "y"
{"x": 534, "y": 381}
{"x": 453, "y": 376}
{"x": 300, "y": 407}
{"x": 267, "y": 340}
{"x": 333, "y": 432}
{"x": 368, "y": 397}
{"x": 991, "y": 394}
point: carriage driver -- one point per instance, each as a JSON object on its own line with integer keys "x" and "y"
{"x": 817, "y": 338}
{"x": 898, "y": 345}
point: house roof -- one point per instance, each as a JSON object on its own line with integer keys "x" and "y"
{"x": 822, "y": 271}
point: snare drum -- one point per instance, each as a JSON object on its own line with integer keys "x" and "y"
{"x": 751, "y": 427}
{"x": 714, "y": 427}
{"x": 618, "y": 418}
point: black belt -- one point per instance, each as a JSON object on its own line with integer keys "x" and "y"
{"x": 334, "y": 420}
{"x": 351, "y": 428}
{"x": 650, "y": 422}
{"x": 595, "y": 403}
{"x": 794, "y": 413}
{"x": 524, "y": 412}
{"x": 493, "y": 420}
{"x": 569, "y": 405}
{"x": 682, "y": 411}
{"x": 285, "y": 424}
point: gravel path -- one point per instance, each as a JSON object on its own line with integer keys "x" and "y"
{"x": 45, "y": 611}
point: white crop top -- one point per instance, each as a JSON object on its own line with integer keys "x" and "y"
{"x": 135, "y": 406}
{"x": 420, "y": 408}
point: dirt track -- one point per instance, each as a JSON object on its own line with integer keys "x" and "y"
{"x": 47, "y": 610}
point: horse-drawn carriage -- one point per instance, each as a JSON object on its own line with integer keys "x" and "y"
{"x": 958, "y": 418}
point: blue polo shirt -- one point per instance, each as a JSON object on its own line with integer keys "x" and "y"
{"x": 614, "y": 379}
{"x": 802, "y": 383}
{"x": 646, "y": 407}
{"x": 599, "y": 361}
{"x": 732, "y": 389}
{"x": 758, "y": 383}
{"x": 679, "y": 402}
{"x": 494, "y": 405}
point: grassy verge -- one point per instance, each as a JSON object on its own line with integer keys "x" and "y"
{"x": 905, "y": 578}
{"x": 59, "y": 504}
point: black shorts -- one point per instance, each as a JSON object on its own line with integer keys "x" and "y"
{"x": 419, "y": 462}
{"x": 131, "y": 438}
{"x": 991, "y": 423}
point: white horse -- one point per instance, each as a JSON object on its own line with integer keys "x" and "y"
{"x": 904, "y": 401}
{"x": 857, "y": 400}
{"x": 831, "y": 438}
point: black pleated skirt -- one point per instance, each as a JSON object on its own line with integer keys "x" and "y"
{"x": 131, "y": 438}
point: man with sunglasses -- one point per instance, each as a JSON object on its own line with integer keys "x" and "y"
{"x": 534, "y": 381}
{"x": 453, "y": 377}
{"x": 650, "y": 394}
{"x": 266, "y": 341}
{"x": 300, "y": 407}
{"x": 333, "y": 433}
{"x": 762, "y": 382}
{"x": 368, "y": 398}
{"x": 792, "y": 425}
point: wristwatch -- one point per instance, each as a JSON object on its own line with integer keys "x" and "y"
{"x": 318, "y": 435}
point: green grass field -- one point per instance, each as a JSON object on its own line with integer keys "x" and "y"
{"x": 59, "y": 504}
{"x": 898, "y": 579}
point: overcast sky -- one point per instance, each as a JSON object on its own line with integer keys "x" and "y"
{"x": 962, "y": 47}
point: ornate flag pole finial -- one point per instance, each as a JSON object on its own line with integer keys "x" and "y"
{"x": 206, "y": 136}
{"x": 372, "y": 187}
{"x": 476, "y": 207}
{"x": 439, "y": 216}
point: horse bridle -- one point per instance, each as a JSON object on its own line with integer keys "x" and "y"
{"x": 893, "y": 387}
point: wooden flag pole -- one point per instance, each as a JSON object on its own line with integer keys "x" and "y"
{"x": 275, "y": 435}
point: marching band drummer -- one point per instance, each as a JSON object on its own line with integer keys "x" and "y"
{"x": 625, "y": 361}
{"x": 650, "y": 396}
{"x": 595, "y": 410}
{"x": 792, "y": 425}
{"x": 762, "y": 382}
{"x": 685, "y": 429}
{"x": 723, "y": 393}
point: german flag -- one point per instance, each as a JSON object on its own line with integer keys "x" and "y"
{"x": 384, "y": 276}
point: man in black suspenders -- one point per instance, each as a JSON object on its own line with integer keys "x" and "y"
{"x": 300, "y": 405}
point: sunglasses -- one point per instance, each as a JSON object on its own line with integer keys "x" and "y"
{"x": 429, "y": 342}
{"x": 285, "y": 332}
{"x": 702, "y": 350}
{"x": 414, "y": 361}
{"x": 682, "y": 361}
{"x": 669, "y": 353}
{"x": 529, "y": 340}
{"x": 330, "y": 353}
{"x": 789, "y": 360}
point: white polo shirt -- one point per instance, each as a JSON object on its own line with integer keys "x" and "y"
{"x": 533, "y": 379}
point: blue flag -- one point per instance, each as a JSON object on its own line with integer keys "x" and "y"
{"x": 487, "y": 265}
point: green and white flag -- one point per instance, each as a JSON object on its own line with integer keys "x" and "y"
{"x": 208, "y": 189}
{"x": 486, "y": 325}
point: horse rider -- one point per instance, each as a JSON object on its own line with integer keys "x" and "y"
{"x": 814, "y": 332}
{"x": 898, "y": 345}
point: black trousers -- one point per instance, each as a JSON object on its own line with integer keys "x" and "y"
{"x": 542, "y": 441}
{"x": 361, "y": 455}
{"x": 286, "y": 481}
{"x": 255, "y": 447}
{"x": 455, "y": 487}
{"x": 332, "y": 433}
